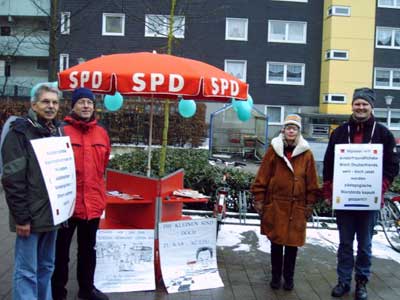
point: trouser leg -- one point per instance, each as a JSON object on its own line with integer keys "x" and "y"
{"x": 289, "y": 263}
{"x": 60, "y": 275}
{"x": 46, "y": 254}
{"x": 87, "y": 230}
{"x": 276, "y": 261}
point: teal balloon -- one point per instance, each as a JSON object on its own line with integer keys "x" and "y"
{"x": 187, "y": 108}
{"x": 250, "y": 101}
{"x": 243, "y": 111}
{"x": 234, "y": 104}
{"x": 113, "y": 102}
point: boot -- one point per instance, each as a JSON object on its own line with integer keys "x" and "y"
{"x": 289, "y": 264}
{"x": 276, "y": 265}
{"x": 340, "y": 289}
{"x": 361, "y": 290}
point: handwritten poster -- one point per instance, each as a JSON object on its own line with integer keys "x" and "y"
{"x": 188, "y": 255}
{"x": 56, "y": 161}
{"x": 125, "y": 260}
{"x": 357, "y": 179}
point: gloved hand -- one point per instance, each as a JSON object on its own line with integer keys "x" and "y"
{"x": 259, "y": 206}
{"x": 327, "y": 192}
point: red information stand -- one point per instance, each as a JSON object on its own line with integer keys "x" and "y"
{"x": 157, "y": 204}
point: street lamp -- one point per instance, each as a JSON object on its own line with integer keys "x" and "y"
{"x": 388, "y": 100}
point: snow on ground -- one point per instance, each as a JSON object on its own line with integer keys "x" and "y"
{"x": 232, "y": 236}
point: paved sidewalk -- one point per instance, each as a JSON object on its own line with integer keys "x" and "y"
{"x": 245, "y": 274}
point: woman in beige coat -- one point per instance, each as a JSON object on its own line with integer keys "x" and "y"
{"x": 285, "y": 189}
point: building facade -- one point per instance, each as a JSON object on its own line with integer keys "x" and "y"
{"x": 24, "y": 45}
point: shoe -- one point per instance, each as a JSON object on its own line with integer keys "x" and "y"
{"x": 361, "y": 290}
{"x": 288, "y": 285}
{"x": 95, "y": 294}
{"x": 275, "y": 283}
{"x": 340, "y": 289}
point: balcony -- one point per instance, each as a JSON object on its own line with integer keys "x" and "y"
{"x": 35, "y": 45}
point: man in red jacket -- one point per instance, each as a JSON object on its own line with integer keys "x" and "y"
{"x": 91, "y": 146}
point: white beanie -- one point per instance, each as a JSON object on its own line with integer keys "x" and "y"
{"x": 293, "y": 119}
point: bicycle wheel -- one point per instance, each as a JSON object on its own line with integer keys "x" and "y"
{"x": 390, "y": 220}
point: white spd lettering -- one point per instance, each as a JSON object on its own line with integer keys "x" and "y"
{"x": 79, "y": 79}
{"x": 221, "y": 86}
{"x": 175, "y": 82}
{"x": 140, "y": 83}
{"x": 155, "y": 80}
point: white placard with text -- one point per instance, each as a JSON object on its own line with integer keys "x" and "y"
{"x": 188, "y": 255}
{"x": 357, "y": 179}
{"x": 57, "y": 164}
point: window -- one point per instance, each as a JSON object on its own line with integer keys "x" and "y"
{"x": 285, "y": 73}
{"x": 387, "y": 37}
{"x": 335, "y": 98}
{"x": 65, "y": 22}
{"x": 2, "y": 68}
{"x": 158, "y": 25}
{"x": 5, "y": 30}
{"x": 64, "y": 61}
{"x": 287, "y": 32}
{"x": 389, "y": 3}
{"x": 339, "y": 11}
{"x": 387, "y": 78}
{"x": 275, "y": 114}
{"x": 236, "y": 29}
{"x": 337, "y": 54}
{"x": 237, "y": 68}
{"x": 42, "y": 64}
{"x": 113, "y": 24}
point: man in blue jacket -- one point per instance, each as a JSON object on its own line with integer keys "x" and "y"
{"x": 361, "y": 128}
{"x": 27, "y": 198}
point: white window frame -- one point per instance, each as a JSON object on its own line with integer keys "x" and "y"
{"x": 227, "y": 61}
{"x": 285, "y": 40}
{"x": 285, "y": 65}
{"x": 282, "y": 117}
{"x": 396, "y": 4}
{"x": 330, "y": 54}
{"x": 164, "y": 20}
{"x": 390, "y": 87}
{"x": 393, "y": 29}
{"x": 65, "y": 22}
{"x": 246, "y": 24}
{"x": 332, "y": 11}
{"x": 104, "y": 21}
{"x": 328, "y": 98}
{"x": 64, "y": 60}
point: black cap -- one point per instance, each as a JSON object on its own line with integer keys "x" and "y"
{"x": 366, "y": 94}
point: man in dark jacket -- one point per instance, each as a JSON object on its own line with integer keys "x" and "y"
{"x": 91, "y": 146}
{"x": 27, "y": 198}
{"x": 361, "y": 128}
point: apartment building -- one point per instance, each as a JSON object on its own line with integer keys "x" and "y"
{"x": 24, "y": 45}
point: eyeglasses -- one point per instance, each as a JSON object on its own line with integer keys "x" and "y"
{"x": 87, "y": 102}
{"x": 48, "y": 102}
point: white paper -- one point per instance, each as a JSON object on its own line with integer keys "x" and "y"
{"x": 57, "y": 164}
{"x": 125, "y": 261}
{"x": 188, "y": 255}
{"x": 357, "y": 180}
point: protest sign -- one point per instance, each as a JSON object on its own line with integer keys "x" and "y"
{"x": 125, "y": 260}
{"x": 56, "y": 161}
{"x": 188, "y": 255}
{"x": 357, "y": 179}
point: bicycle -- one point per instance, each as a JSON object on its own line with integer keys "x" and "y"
{"x": 222, "y": 195}
{"x": 389, "y": 219}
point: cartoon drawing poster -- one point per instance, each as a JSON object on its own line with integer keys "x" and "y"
{"x": 125, "y": 261}
{"x": 188, "y": 255}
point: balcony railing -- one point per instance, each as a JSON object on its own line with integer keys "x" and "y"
{"x": 36, "y": 45}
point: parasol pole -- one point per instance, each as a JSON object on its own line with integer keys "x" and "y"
{"x": 163, "y": 152}
{"x": 150, "y": 140}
